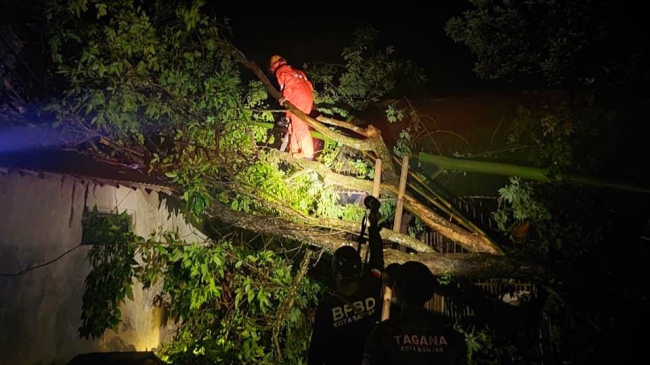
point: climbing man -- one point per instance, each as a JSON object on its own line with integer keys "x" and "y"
{"x": 297, "y": 90}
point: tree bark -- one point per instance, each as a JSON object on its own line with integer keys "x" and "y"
{"x": 472, "y": 265}
{"x": 475, "y": 265}
{"x": 441, "y": 202}
{"x": 473, "y": 242}
{"x": 388, "y": 235}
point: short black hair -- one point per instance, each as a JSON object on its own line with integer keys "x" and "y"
{"x": 415, "y": 282}
{"x": 391, "y": 273}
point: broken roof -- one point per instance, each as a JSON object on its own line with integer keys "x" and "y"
{"x": 63, "y": 162}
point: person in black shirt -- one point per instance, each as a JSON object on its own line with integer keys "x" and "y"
{"x": 415, "y": 336}
{"x": 345, "y": 318}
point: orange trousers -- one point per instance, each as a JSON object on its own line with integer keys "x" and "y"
{"x": 301, "y": 143}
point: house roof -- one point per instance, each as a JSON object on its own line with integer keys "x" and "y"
{"x": 63, "y": 162}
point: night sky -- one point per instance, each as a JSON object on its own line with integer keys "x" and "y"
{"x": 416, "y": 32}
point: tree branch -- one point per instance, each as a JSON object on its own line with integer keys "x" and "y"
{"x": 287, "y": 303}
{"x": 471, "y": 241}
{"x": 342, "y": 124}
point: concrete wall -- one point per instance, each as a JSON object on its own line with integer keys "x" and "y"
{"x": 40, "y": 311}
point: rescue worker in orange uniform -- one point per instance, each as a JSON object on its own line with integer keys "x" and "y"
{"x": 297, "y": 90}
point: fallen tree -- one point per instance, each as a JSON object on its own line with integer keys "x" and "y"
{"x": 205, "y": 139}
{"x": 375, "y": 144}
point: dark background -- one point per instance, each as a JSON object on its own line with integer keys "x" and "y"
{"x": 302, "y": 35}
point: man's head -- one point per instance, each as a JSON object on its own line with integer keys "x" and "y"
{"x": 346, "y": 265}
{"x": 275, "y": 62}
{"x": 415, "y": 283}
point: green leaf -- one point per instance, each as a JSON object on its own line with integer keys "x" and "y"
{"x": 101, "y": 10}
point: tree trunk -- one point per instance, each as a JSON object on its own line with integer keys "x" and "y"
{"x": 475, "y": 265}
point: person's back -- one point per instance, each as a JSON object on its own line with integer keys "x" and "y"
{"x": 345, "y": 318}
{"x": 343, "y": 323}
{"x": 417, "y": 337}
{"x": 298, "y": 90}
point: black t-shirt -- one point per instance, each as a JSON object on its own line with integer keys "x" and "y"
{"x": 415, "y": 337}
{"x": 343, "y": 324}
{"x": 340, "y": 330}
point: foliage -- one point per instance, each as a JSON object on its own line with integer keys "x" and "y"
{"x": 368, "y": 74}
{"x": 151, "y": 83}
{"x": 519, "y": 205}
{"x": 224, "y": 298}
{"x": 112, "y": 267}
{"x": 478, "y": 340}
{"x": 418, "y": 229}
{"x": 549, "y": 38}
{"x": 586, "y": 48}
{"x": 445, "y": 279}
{"x": 421, "y": 131}
{"x": 405, "y": 142}
{"x": 561, "y": 139}
{"x": 561, "y": 136}
{"x": 487, "y": 347}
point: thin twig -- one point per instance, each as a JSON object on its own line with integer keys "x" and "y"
{"x": 447, "y": 132}
{"x": 423, "y": 126}
{"x": 511, "y": 149}
{"x": 497, "y": 128}
{"x": 25, "y": 271}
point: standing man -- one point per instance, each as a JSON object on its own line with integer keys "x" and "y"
{"x": 345, "y": 318}
{"x": 297, "y": 90}
{"x": 415, "y": 336}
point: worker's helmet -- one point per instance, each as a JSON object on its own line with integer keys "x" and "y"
{"x": 346, "y": 264}
{"x": 275, "y": 62}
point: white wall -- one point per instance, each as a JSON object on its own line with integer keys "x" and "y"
{"x": 40, "y": 311}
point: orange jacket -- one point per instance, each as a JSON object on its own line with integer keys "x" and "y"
{"x": 295, "y": 87}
